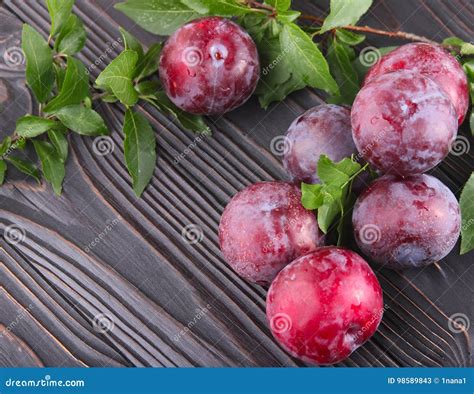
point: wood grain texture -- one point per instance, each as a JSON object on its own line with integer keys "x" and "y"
{"x": 98, "y": 277}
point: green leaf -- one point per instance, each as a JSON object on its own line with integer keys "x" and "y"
{"x": 20, "y": 144}
{"x": 51, "y": 164}
{"x": 82, "y": 120}
{"x": 279, "y": 5}
{"x": 193, "y": 123}
{"x": 133, "y": 44}
{"x": 160, "y": 17}
{"x": 469, "y": 70}
{"x": 5, "y": 145}
{"x": 25, "y": 167}
{"x": 75, "y": 87}
{"x": 277, "y": 79}
{"x": 227, "y": 8}
{"x": 467, "y": 214}
{"x": 3, "y": 171}
{"x": 190, "y": 122}
{"x": 454, "y": 41}
{"x": 59, "y": 141}
{"x": 467, "y": 49}
{"x": 307, "y": 60}
{"x": 30, "y": 126}
{"x": 471, "y": 122}
{"x": 332, "y": 198}
{"x": 72, "y": 37}
{"x": 349, "y": 38}
{"x": 328, "y": 212}
{"x": 259, "y": 26}
{"x": 339, "y": 60}
{"x": 288, "y": 16}
{"x": 118, "y": 76}
{"x": 139, "y": 150}
{"x": 39, "y": 63}
{"x": 59, "y": 11}
{"x": 150, "y": 62}
{"x": 60, "y": 75}
{"x": 311, "y": 196}
{"x": 148, "y": 88}
{"x": 336, "y": 174}
{"x": 345, "y": 12}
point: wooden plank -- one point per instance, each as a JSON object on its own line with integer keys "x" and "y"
{"x": 113, "y": 281}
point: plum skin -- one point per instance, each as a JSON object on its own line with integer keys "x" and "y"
{"x": 264, "y": 227}
{"x": 403, "y": 123}
{"x": 209, "y": 66}
{"x": 433, "y": 62}
{"x": 324, "y": 305}
{"x": 406, "y": 223}
{"x": 324, "y": 129}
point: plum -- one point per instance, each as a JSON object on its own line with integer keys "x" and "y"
{"x": 324, "y": 129}
{"x": 324, "y": 305}
{"x": 209, "y": 66}
{"x": 403, "y": 123}
{"x": 406, "y": 223}
{"x": 264, "y": 227}
{"x": 431, "y": 61}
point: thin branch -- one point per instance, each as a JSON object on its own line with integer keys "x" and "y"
{"x": 392, "y": 34}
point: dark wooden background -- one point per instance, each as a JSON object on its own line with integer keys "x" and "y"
{"x": 163, "y": 301}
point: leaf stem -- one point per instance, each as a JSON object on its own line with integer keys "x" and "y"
{"x": 266, "y": 7}
{"x": 362, "y": 169}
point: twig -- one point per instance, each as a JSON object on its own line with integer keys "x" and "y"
{"x": 370, "y": 30}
